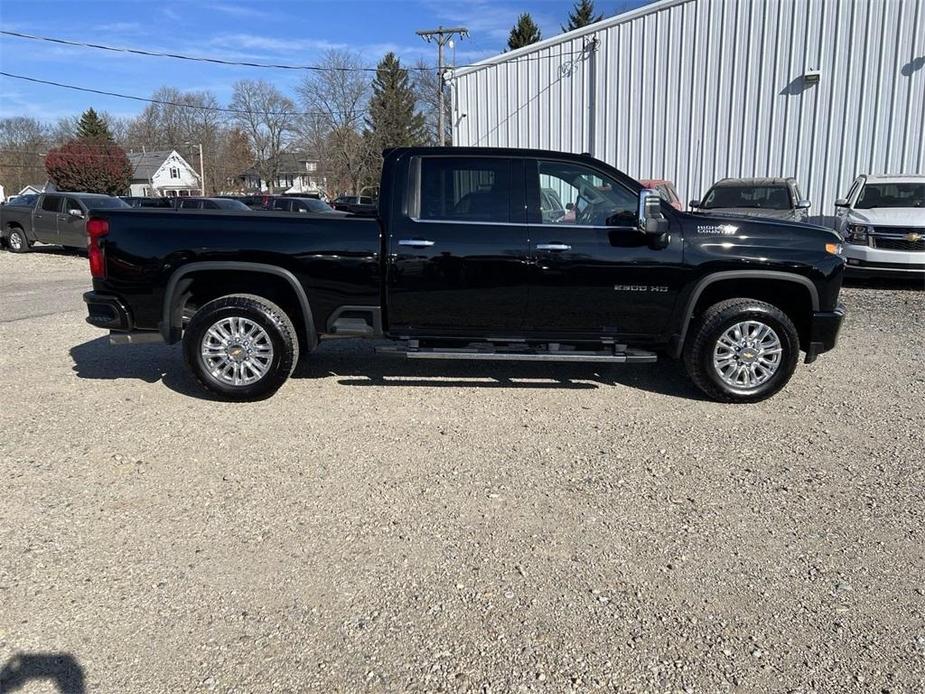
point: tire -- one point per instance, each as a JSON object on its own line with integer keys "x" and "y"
{"x": 236, "y": 360}
{"x": 17, "y": 241}
{"x": 715, "y": 357}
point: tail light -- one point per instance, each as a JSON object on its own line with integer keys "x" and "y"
{"x": 96, "y": 230}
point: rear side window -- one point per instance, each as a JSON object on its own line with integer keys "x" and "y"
{"x": 465, "y": 189}
{"x": 190, "y": 204}
{"x": 280, "y": 204}
{"x": 72, "y": 204}
{"x": 51, "y": 203}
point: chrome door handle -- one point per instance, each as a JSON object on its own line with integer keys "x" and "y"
{"x": 416, "y": 243}
{"x": 553, "y": 247}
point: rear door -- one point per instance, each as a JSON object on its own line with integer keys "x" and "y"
{"x": 457, "y": 249}
{"x": 45, "y": 218}
{"x": 72, "y": 227}
{"x": 594, "y": 273}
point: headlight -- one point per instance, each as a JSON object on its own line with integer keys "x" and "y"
{"x": 857, "y": 234}
{"x": 833, "y": 248}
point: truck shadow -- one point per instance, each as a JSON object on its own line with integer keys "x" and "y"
{"x": 354, "y": 362}
{"x": 60, "y": 668}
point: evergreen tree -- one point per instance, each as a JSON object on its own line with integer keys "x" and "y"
{"x": 582, "y": 15}
{"x": 524, "y": 32}
{"x": 392, "y": 119}
{"x": 92, "y": 127}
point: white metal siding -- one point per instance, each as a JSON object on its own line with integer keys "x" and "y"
{"x": 697, "y": 90}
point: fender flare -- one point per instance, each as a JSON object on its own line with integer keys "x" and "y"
{"x": 171, "y": 324}
{"x": 715, "y": 277}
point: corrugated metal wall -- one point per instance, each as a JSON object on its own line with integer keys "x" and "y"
{"x": 696, "y": 90}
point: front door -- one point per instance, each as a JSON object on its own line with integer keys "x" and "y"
{"x": 457, "y": 249}
{"x": 72, "y": 227}
{"x": 594, "y": 273}
{"x": 45, "y": 218}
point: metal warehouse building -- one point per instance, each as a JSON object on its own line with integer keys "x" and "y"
{"x": 697, "y": 90}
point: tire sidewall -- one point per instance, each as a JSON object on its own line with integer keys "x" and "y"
{"x": 280, "y": 367}
{"x": 789, "y": 356}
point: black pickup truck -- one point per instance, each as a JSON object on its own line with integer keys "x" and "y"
{"x": 465, "y": 261}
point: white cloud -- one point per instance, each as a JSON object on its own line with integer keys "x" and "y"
{"x": 239, "y": 11}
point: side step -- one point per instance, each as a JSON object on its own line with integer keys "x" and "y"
{"x": 618, "y": 355}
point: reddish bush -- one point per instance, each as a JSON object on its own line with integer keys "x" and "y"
{"x": 93, "y": 166}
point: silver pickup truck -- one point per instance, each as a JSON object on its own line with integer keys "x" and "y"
{"x": 883, "y": 223}
{"x": 58, "y": 218}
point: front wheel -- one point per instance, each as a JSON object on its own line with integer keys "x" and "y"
{"x": 17, "y": 241}
{"x": 742, "y": 350}
{"x": 241, "y": 347}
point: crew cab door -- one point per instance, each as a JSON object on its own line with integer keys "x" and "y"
{"x": 72, "y": 224}
{"x": 457, "y": 248}
{"x": 594, "y": 273}
{"x": 45, "y": 218}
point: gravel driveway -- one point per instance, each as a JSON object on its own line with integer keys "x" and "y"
{"x": 391, "y": 526}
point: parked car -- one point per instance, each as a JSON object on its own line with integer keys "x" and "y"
{"x": 58, "y": 218}
{"x": 356, "y": 204}
{"x": 777, "y": 198}
{"x": 136, "y": 201}
{"x": 666, "y": 189}
{"x": 291, "y": 204}
{"x": 27, "y": 200}
{"x": 460, "y": 264}
{"x": 882, "y": 220}
{"x": 195, "y": 203}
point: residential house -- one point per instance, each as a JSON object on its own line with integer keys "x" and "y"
{"x": 163, "y": 173}
{"x": 298, "y": 173}
{"x": 36, "y": 188}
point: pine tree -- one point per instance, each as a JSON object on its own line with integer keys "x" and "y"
{"x": 582, "y": 15}
{"x": 524, "y": 32}
{"x": 392, "y": 119}
{"x": 92, "y": 127}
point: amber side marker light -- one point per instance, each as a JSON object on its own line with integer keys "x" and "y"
{"x": 833, "y": 248}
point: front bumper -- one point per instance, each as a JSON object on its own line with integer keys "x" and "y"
{"x": 108, "y": 312}
{"x": 823, "y": 332}
{"x": 864, "y": 260}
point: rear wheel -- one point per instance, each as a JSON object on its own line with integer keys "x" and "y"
{"x": 241, "y": 347}
{"x": 17, "y": 241}
{"x": 742, "y": 350}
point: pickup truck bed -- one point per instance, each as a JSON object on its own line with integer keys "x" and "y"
{"x": 466, "y": 260}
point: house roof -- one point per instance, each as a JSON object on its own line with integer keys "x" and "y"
{"x": 651, "y": 7}
{"x": 146, "y": 164}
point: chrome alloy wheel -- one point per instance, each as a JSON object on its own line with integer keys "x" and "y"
{"x": 236, "y": 351}
{"x": 747, "y": 354}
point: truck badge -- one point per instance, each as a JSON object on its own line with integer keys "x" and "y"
{"x": 721, "y": 229}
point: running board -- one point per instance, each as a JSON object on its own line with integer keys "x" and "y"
{"x": 626, "y": 356}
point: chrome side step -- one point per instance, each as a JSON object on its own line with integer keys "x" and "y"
{"x": 552, "y": 353}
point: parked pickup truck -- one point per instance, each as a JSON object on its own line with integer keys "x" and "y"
{"x": 58, "y": 218}
{"x": 460, "y": 264}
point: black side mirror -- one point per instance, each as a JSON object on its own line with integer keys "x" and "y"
{"x": 652, "y": 221}
{"x": 841, "y": 202}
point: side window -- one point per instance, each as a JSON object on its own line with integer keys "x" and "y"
{"x": 51, "y": 203}
{"x": 587, "y": 197}
{"x": 465, "y": 189}
{"x": 281, "y": 205}
{"x": 209, "y": 205}
{"x": 72, "y": 204}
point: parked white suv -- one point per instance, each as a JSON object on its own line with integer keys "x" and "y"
{"x": 883, "y": 223}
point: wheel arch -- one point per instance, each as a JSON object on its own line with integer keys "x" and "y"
{"x": 182, "y": 286}
{"x": 794, "y": 294}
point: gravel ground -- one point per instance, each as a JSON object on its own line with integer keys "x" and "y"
{"x": 382, "y": 525}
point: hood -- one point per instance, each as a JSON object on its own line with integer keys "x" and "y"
{"x": 762, "y": 226}
{"x": 751, "y": 212}
{"x": 889, "y": 216}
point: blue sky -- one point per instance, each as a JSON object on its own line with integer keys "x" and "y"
{"x": 280, "y": 31}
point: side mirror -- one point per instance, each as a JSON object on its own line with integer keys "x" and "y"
{"x": 841, "y": 202}
{"x": 804, "y": 204}
{"x": 652, "y": 220}
{"x": 694, "y": 204}
{"x": 76, "y": 212}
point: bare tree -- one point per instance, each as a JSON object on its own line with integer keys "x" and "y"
{"x": 336, "y": 98}
{"x": 425, "y": 88}
{"x": 266, "y": 115}
{"x": 23, "y": 144}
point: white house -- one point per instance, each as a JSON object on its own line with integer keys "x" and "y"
{"x": 298, "y": 173}
{"x": 163, "y": 174}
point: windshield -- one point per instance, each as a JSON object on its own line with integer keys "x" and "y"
{"x": 22, "y": 201}
{"x": 746, "y": 196}
{"x": 891, "y": 195}
{"x": 102, "y": 203}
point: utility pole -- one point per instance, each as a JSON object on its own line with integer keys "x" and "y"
{"x": 442, "y": 36}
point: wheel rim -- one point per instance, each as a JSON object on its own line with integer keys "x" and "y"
{"x": 236, "y": 351}
{"x": 747, "y": 355}
{"x": 15, "y": 241}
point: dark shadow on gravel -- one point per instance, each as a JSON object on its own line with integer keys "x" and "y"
{"x": 58, "y": 250}
{"x": 60, "y": 668}
{"x": 355, "y": 363}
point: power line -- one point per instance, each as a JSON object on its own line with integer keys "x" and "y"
{"x": 163, "y": 102}
{"x": 274, "y": 66}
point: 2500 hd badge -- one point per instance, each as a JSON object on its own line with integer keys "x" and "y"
{"x": 638, "y": 288}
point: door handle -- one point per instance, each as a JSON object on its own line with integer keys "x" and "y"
{"x": 416, "y": 243}
{"x": 555, "y": 247}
